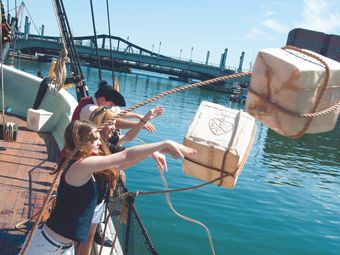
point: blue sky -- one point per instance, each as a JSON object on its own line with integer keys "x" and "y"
{"x": 204, "y": 25}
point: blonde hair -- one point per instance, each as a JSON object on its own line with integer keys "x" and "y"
{"x": 79, "y": 133}
{"x": 101, "y": 115}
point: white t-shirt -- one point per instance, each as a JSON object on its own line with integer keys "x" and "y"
{"x": 86, "y": 111}
{"x": 115, "y": 109}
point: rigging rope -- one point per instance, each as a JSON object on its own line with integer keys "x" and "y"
{"x": 66, "y": 33}
{"x": 2, "y": 83}
{"x": 31, "y": 20}
{"x": 96, "y": 43}
{"x": 110, "y": 40}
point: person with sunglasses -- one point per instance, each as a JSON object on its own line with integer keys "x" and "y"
{"x": 104, "y": 115}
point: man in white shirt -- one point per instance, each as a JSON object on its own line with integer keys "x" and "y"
{"x": 107, "y": 95}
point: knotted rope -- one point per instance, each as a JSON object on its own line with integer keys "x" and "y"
{"x": 59, "y": 72}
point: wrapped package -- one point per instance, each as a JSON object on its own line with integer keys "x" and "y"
{"x": 223, "y": 138}
{"x": 292, "y": 93}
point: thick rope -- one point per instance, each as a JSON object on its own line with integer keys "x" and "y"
{"x": 333, "y": 108}
{"x": 175, "y": 90}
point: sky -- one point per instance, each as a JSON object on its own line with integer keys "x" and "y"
{"x": 193, "y": 27}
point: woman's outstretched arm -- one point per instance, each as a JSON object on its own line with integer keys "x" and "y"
{"x": 80, "y": 171}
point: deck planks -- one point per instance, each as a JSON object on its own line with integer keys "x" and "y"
{"x": 25, "y": 167}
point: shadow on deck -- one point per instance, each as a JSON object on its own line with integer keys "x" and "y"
{"x": 25, "y": 178}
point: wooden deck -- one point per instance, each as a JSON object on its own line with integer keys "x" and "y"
{"x": 24, "y": 180}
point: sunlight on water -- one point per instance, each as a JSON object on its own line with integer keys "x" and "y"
{"x": 286, "y": 200}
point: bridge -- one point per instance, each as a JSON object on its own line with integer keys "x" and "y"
{"x": 125, "y": 54}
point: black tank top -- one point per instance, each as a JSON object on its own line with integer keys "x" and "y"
{"x": 74, "y": 209}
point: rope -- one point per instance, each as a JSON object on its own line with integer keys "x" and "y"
{"x": 67, "y": 38}
{"x": 296, "y": 114}
{"x": 59, "y": 73}
{"x": 167, "y": 195}
{"x": 38, "y": 220}
{"x": 32, "y": 20}
{"x": 175, "y": 90}
{"x": 232, "y": 143}
{"x": 20, "y": 226}
{"x": 106, "y": 221}
{"x": 157, "y": 192}
{"x": 96, "y": 43}
{"x": 111, "y": 53}
{"x": 125, "y": 195}
{"x": 60, "y": 27}
{"x": 2, "y": 86}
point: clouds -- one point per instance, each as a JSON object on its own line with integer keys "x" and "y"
{"x": 269, "y": 13}
{"x": 319, "y": 15}
{"x": 279, "y": 18}
{"x": 257, "y": 33}
{"x": 275, "y": 25}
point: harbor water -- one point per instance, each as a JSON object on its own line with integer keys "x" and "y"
{"x": 286, "y": 201}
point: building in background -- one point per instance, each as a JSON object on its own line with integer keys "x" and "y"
{"x": 324, "y": 44}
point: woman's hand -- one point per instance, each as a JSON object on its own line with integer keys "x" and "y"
{"x": 160, "y": 160}
{"x": 176, "y": 150}
{"x": 153, "y": 113}
{"x": 149, "y": 127}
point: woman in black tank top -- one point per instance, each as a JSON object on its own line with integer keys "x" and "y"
{"x": 114, "y": 141}
{"x": 70, "y": 220}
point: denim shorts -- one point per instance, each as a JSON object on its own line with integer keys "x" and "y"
{"x": 98, "y": 212}
{"x": 42, "y": 244}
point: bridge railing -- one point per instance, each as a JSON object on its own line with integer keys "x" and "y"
{"x": 87, "y": 41}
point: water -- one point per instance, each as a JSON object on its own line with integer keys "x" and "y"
{"x": 286, "y": 201}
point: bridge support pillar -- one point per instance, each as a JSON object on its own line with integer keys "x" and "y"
{"x": 239, "y": 69}
{"x": 42, "y": 30}
{"x": 207, "y": 58}
{"x": 223, "y": 59}
{"x": 27, "y": 27}
{"x": 103, "y": 43}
